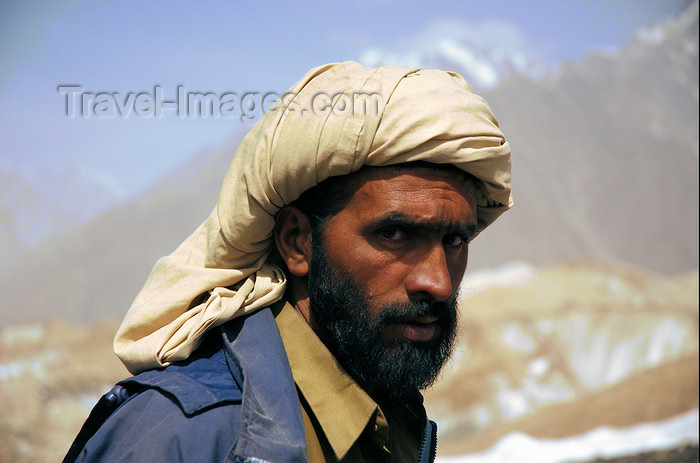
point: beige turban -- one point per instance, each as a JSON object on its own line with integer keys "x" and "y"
{"x": 379, "y": 116}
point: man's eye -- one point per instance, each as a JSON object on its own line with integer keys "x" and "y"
{"x": 392, "y": 234}
{"x": 454, "y": 240}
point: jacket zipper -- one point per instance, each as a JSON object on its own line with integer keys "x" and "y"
{"x": 428, "y": 448}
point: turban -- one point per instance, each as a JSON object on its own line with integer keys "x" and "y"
{"x": 336, "y": 119}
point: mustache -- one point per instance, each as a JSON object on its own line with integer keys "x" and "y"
{"x": 445, "y": 311}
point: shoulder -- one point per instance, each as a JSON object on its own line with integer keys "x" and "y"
{"x": 199, "y": 383}
{"x": 189, "y": 411}
{"x": 199, "y": 409}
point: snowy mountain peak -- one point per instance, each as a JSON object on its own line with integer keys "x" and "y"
{"x": 484, "y": 54}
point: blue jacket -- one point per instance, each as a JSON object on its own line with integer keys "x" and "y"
{"x": 233, "y": 400}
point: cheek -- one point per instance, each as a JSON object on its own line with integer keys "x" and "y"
{"x": 381, "y": 274}
{"x": 457, "y": 267}
{"x": 377, "y": 273}
{"x": 368, "y": 266}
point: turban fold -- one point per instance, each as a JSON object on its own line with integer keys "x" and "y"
{"x": 336, "y": 119}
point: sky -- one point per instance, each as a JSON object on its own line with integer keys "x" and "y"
{"x": 127, "y": 48}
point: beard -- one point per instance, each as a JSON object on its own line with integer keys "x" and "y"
{"x": 389, "y": 371}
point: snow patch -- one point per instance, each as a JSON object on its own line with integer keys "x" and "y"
{"x": 512, "y": 402}
{"x": 602, "y": 442}
{"x": 514, "y": 336}
{"x": 35, "y": 366}
{"x": 511, "y": 275}
{"x": 21, "y": 334}
{"x": 653, "y": 34}
{"x": 485, "y": 54}
{"x": 10, "y": 370}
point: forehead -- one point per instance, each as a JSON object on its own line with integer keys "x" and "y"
{"x": 409, "y": 178}
{"x": 428, "y": 193}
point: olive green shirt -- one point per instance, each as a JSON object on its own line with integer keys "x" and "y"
{"x": 341, "y": 421}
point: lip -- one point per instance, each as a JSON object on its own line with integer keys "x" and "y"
{"x": 425, "y": 320}
{"x": 416, "y": 329}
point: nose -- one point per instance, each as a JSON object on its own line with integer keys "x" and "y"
{"x": 430, "y": 278}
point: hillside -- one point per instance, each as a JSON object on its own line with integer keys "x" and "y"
{"x": 40, "y": 201}
{"x": 605, "y": 156}
{"x": 605, "y": 165}
{"x": 575, "y": 347}
{"x": 97, "y": 270}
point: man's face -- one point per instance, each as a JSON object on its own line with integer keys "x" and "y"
{"x": 384, "y": 276}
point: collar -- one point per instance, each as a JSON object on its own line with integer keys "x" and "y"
{"x": 341, "y": 406}
{"x": 271, "y": 423}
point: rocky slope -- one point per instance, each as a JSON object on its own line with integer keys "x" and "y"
{"x": 571, "y": 348}
{"x": 562, "y": 337}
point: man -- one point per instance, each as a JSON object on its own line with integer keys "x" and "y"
{"x": 299, "y": 322}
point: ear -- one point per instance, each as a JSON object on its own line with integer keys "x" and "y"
{"x": 293, "y": 239}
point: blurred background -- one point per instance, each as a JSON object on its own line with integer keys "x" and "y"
{"x": 580, "y": 307}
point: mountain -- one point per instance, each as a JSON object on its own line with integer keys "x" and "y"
{"x": 605, "y": 156}
{"x": 572, "y": 334}
{"x": 96, "y": 270}
{"x": 485, "y": 55}
{"x": 605, "y": 165}
{"x": 38, "y": 201}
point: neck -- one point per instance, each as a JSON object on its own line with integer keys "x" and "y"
{"x": 297, "y": 295}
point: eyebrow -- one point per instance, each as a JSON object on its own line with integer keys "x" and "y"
{"x": 400, "y": 220}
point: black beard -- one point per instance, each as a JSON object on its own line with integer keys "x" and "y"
{"x": 389, "y": 372}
